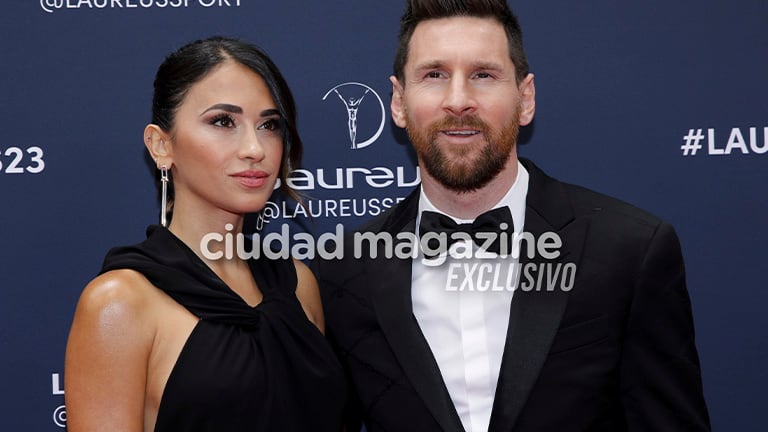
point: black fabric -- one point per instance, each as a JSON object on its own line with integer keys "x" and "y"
{"x": 614, "y": 352}
{"x": 243, "y": 368}
{"x": 490, "y": 223}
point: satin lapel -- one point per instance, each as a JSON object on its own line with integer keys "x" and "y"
{"x": 391, "y": 295}
{"x": 535, "y": 314}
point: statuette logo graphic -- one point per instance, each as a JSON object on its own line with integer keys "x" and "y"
{"x": 352, "y": 95}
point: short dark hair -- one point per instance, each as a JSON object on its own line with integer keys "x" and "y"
{"x": 421, "y": 10}
{"x": 192, "y": 62}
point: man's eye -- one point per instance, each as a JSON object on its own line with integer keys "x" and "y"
{"x": 434, "y": 74}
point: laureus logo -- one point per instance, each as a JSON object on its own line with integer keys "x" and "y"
{"x": 352, "y": 95}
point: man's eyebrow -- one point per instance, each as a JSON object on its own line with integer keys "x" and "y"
{"x": 432, "y": 64}
{"x": 487, "y": 65}
{"x": 437, "y": 64}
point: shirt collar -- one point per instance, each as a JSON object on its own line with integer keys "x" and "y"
{"x": 514, "y": 199}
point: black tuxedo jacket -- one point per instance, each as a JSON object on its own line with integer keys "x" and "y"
{"x": 614, "y": 353}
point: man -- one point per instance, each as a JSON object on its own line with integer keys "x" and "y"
{"x": 585, "y": 326}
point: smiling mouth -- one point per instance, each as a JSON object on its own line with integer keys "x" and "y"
{"x": 461, "y": 133}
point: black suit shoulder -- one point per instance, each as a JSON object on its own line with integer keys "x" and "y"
{"x": 589, "y": 202}
{"x": 620, "y": 226}
{"x": 614, "y": 228}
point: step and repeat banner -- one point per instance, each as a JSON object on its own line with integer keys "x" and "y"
{"x": 662, "y": 104}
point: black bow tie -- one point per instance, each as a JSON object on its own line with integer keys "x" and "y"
{"x": 489, "y": 224}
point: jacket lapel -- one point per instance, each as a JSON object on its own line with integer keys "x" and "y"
{"x": 535, "y": 314}
{"x": 391, "y": 297}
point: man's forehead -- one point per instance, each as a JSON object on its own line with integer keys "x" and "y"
{"x": 442, "y": 41}
{"x": 457, "y": 22}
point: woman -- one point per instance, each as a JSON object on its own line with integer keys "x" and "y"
{"x": 165, "y": 338}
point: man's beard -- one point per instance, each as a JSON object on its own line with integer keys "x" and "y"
{"x": 457, "y": 172}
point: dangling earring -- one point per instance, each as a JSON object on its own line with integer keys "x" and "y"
{"x": 260, "y": 221}
{"x": 164, "y": 194}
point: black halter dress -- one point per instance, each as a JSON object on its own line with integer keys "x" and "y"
{"x": 243, "y": 368}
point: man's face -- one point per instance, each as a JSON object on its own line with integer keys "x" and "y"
{"x": 460, "y": 102}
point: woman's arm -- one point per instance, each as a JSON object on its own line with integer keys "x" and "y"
{"x": 107, "y": 355}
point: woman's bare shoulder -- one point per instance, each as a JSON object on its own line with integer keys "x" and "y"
{"x": 118, "y": 292}
{"x": 118, "y": 305}
{"x": 108, "y": 351}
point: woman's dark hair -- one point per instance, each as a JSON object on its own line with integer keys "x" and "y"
{"x": 192, "y": 62}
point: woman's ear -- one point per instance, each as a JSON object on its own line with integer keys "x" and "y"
{"x": 158, "y": 145}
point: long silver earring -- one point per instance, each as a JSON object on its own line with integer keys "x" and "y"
{"x": 164, "y": 194}
{"x": 260, "y": 221}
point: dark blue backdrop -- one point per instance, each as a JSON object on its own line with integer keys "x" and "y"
{"x": 660, "y": 103}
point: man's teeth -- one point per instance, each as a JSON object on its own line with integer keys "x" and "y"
{"x": 460, "y": 132}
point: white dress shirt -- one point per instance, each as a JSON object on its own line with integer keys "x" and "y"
{"x": 462, "y": 307}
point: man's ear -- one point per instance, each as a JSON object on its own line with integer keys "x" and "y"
{"x": 397, "y": 106}
{"x": 158, "y": 145}
{"x": 527, "y": 90}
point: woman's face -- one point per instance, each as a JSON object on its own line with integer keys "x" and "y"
{"x": 226, "y": 144}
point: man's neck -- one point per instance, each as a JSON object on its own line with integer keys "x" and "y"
{"x": 468, "y": 205}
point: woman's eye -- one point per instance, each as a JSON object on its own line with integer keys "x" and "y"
{"x": 223, "y": 120}
{"x": 271, "y": 125}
